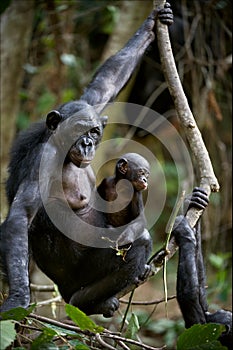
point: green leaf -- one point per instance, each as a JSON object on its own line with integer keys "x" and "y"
{"x": 76, "y": 344}
{"x": 61, "y": 331}
{"x": 8, "y": 333}
{"x": 44, "y": 341}
{"x": 201, "y": 337}
{"x": 82, "y": 320}
{"x": 133, "y": 327}
{"x": 17, "y": 314}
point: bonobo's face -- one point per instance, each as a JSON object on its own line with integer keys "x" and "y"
{"x": 140, "y": 178}
{"x": 79, "y": 133}
{"x": 83, "y": 150}
{"x": 134, "y": 168}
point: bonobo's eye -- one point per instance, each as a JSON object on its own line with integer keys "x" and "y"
{"x": 143, "y": 172}
{"x": 95, "y": 133}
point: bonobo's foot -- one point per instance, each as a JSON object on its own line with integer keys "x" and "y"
{"x": 223, "y": 317}
{"x": 139, "y": 279}
{"x": 107, "y": 307}
{"x": 91, "y": 307}
{"x": 15, "y": 300}
{"x": 145, "y": 274}
{"x": 165, "y": 15}
{"x": 198, "y": 199}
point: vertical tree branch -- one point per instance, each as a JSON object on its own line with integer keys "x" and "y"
{"x": 208, "y": 180}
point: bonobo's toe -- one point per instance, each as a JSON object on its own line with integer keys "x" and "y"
{"x": 145, "y": 273}
{"x": 110, "y": 306}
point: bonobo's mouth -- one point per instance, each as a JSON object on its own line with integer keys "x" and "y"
{"x": 141, "y": 186}
{"x": 79, "y": 161}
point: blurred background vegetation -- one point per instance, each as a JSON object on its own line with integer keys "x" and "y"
{"x": 49, "y": 53}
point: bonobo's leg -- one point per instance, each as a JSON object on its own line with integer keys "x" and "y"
{"x": 116, "y": 71}
{"x": 188, "y": 288}
{"x": 14, "y": 245}
{"x": 99, "y": 297}
{"x": 201, "y": 269}
{"x": 191, "y": 293}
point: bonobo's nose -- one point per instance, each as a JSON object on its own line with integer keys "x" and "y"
{"x": 86, "y": 142}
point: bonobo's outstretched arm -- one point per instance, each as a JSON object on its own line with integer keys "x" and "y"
{"x": 191, "y": 293}
{"x": 115, "y": 72}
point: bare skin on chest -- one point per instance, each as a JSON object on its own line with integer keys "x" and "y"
{"x": 78, "y": 185}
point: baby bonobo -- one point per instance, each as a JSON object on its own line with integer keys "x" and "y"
{"x": 123, "y": 194}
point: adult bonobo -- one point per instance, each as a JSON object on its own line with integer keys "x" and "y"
{"x": 67, "y": 178}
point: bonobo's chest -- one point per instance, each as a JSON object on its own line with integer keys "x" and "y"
{"x": 78, "y": 185}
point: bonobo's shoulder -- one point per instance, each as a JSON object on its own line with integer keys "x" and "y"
{"x": 29, "y": 138}
{"x": 25, "y": 156}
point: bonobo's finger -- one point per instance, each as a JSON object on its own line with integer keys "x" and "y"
{"x": 199, "y": 189}
{"x": 198, "y": 201}
{"x": 200, "y": 195}
{"x": 198, "y": 204}
{"x": 165, "y": 15}
{"x": 199, "y": 198}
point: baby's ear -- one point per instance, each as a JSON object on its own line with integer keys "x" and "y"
{"x": 122, "y": 166}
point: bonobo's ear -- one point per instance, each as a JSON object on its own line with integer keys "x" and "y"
{"x": 53, "y": 119}
{"x": 122, "y": 165}
{"x": 104, "y": 120}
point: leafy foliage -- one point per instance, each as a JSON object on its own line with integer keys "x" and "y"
{"x": 49, "y": 334}
{"x": 17, "y": 314}
{"x": 201, "y": 337}
{"x": 44, "y": 341}
{"x": 133, "y": 327}
{"x": 82, "y": 320}
{"x": 8, "y": 333}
